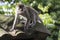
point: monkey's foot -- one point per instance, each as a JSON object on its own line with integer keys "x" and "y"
{"x": 11, "y": 29}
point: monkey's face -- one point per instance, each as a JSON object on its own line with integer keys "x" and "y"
{"x": 20, "y": 9}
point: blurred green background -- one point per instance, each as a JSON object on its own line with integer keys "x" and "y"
{"x": 49, "y": 12}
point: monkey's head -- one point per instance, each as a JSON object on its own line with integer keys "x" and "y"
{"x": 20, "y": 9}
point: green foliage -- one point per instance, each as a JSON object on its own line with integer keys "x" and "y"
{"x": 44, "y": 8}
{"x": 7, "y": 9}
{"x": 46, "y": 18}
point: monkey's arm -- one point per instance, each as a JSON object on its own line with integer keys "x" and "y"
{"x": 14, "y": 23}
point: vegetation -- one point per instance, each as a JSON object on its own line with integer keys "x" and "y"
{"x": 49, "y": 12}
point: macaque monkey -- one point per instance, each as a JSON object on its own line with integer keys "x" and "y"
{"x": 21, "y": 10}
{"x": 28, "y": 12}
